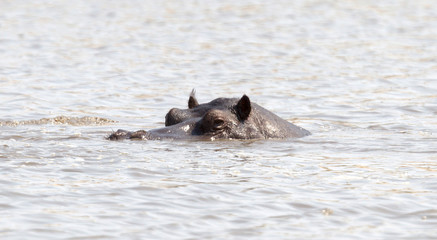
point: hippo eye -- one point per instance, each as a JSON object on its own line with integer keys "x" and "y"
{"x": 218, "y": 124}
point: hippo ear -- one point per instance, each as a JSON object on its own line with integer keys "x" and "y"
{"x": 192, "y": 101}
{"x": 243, "y": 108}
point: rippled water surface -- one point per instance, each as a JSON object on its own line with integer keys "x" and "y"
{"x": 360, "y": 75}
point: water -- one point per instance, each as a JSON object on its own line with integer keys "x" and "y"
{"x": 360, "y": 75}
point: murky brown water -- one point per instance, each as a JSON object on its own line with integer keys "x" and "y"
{"x": 360, "y": 75}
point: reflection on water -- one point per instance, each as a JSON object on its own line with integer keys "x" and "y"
{"x": 359, "y": 75}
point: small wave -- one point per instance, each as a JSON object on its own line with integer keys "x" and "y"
{"x": 75, "y": 121}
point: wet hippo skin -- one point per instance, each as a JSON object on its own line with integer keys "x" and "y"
{"x": 222, "y": 118}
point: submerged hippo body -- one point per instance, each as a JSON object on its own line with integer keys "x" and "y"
{"x": 222, "y": 118}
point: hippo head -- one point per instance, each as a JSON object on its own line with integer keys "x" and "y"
{"x": 195, "y": 110}
{"x": 222, "y": 118}
{"x": 219, "y": 119}
{"x": 230, "y": 123}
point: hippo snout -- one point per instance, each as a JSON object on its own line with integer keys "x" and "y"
{"x": 121, "y": 134}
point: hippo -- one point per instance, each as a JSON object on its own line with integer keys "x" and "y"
{"x": 222, "y": 118}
